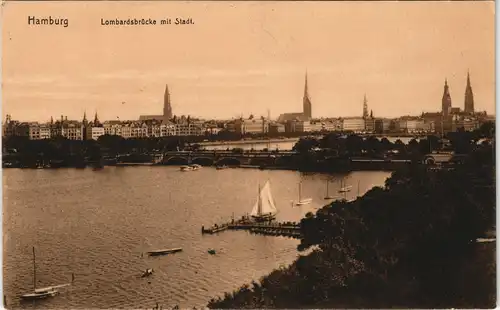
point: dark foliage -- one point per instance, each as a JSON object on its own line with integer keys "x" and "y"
{"x": 409, "y": 244}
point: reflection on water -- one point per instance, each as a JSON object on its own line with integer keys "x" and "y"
{"x": 283, "y": 146}
{"x": 96, "y": 224}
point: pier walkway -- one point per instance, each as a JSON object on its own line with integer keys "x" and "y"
{"x": 288, "y": 229}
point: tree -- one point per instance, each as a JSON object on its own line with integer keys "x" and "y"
{"x": 354, "y": 145}
{"x": 305, "y": 145}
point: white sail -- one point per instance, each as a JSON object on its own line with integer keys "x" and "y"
{"x": 266, "y": 201}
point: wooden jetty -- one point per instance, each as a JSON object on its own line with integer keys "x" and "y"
{"x": 265, "y": 228}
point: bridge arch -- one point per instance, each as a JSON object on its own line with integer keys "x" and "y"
{"x": 176, "y": 160}
{"x": 229, "y": 161}
{"x": 429, "y": 160}
{"x": 204, "y": 161}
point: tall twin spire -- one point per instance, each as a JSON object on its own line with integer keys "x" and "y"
{"x": 468, "y": 102}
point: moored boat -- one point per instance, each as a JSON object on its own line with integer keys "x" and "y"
{"x": 302, "y": 201}
{"x": 195, "y": 167}
{"x": 164, "y": 251}
{"x": 147, "y": 273}
{"x": 344, "y": 188}
{"x": 265, "y": 207}
{"x": 41, "y": 293}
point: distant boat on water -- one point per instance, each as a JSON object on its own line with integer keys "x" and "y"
{"x": 147, "y": 273}
{"x": 302, "y": 201}
{"x": 45, "y": 292}
{"x": 164, "y": 251}
{"x": 190, "y": 168}
{"x": 264, "y": 208}
{"x": 195, "y": 167}
{"x": 327, "y": 196}
{"x": 344, "y": 188}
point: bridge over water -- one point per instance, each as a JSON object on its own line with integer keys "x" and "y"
{"x": 230, "y": 158}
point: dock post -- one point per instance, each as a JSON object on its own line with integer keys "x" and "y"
{"x": 202, "y": 229}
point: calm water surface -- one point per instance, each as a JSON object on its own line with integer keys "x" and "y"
{"x": 96, "y": 224}
{"x": 285, "y": 145}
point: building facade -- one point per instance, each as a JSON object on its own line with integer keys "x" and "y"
{"x": 355, "y": 124}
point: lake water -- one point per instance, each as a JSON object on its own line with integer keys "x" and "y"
{"x": 96, "y": 224}
{"x": 281, "y": 145}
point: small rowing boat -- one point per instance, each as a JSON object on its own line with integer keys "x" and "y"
{"x": 164, "y": 251}
{"x": 147, "y": 273}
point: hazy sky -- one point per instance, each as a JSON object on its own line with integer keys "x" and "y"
{"x": 245, "y": 57}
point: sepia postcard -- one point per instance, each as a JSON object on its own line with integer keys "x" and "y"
{"x": 257, "y": 155}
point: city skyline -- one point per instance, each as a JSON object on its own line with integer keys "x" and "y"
{"x": 400, "y": 69}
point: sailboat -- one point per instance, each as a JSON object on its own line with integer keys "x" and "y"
{"x": 41, "y": 293}
{"x": 343, "y": 188}
{"x": 264, "y": 208}
{"x": 301, "y": 201}
{"x": 352, "y": 199}
{"x": 328, "y": 197}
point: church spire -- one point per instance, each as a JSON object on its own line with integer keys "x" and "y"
{"x": 307, "y": 106}
{"x": 167, "y": 106}
{"x": 446, "y": 100}
{"x": 469, "y": 96}
{"x": 96, "y": 120}
{"x": 365, "y": 107}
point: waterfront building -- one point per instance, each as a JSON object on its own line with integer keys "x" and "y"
{"x": 251, "y": 126}
{"x": 467, "y": 123}
{"x": 382, "y": 125}
{"x": 276, "y": 128}
{"x": 355, "y": 124}
{"x": 370, "y": 124}
{"x": 139, "y": 130}
{"x": 92, "y": 130}
{"x": 9, "y": 126}
{"x": 167, "y": 129}
{"x": 144, "y": 118}
{"x": 212, "y": 129}
{"x": 188, "y": 129}
{"x": 409, "y": 125}
{"x": 126, "y": 130}
{"x": 113, "y": 128}
{"x": 69, "y": 129}
{"x": 304, "y": 126}
{"x": 93, "y": 133}
{"x": 32, "y": 130}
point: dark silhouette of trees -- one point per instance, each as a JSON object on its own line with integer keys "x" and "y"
{"x": 409, "y": 244}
